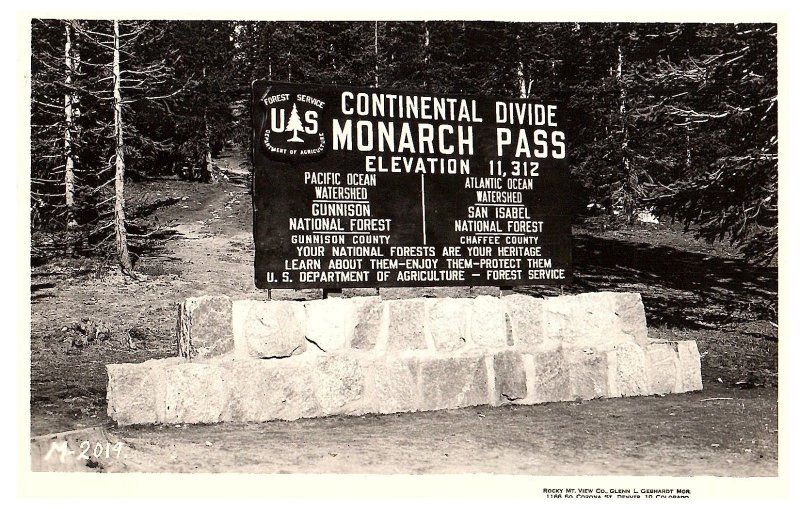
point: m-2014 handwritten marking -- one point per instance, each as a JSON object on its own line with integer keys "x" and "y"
{"x": 86, "y": 451}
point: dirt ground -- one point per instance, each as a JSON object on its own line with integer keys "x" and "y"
{"x": 691, "y": 290}
{"x": 716, "y": 432}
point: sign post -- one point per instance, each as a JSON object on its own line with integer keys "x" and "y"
{"x": 358, "y": 187}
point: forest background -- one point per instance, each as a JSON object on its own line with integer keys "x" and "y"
{"x": 675, "y": 118}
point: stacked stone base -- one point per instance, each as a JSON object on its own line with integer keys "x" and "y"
{"x": 260, "y": 361}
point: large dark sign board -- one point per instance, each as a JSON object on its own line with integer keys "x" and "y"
{"x": 358, "y": 187}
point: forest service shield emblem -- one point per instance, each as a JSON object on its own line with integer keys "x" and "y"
{"x": 292, "y": 129}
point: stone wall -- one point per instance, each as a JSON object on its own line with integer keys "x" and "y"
{"x": 253, "y": 360}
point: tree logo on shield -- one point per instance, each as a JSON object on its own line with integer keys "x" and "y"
{"x": 292, "y": 128}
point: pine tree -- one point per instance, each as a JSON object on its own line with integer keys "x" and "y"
{"x": 679, "y": 116}
{"x": 190, "y": 129}
{"x": 723, "y": 96}
{"x": 53, "y": 119}
{"x": 120, "y": 230}
{"x": 294, "y": 124}
{"x": 124, "y": 79}
{"x": 71, "y": 111}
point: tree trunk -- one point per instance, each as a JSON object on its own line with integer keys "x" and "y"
{"x": 69, "y": 123}
{"x": 425, "y": 55}
{"x": 377, "y": 72}
{"x": 208, "y": 164}
{"x": 630, "y": 181}
{"x": 121, "y": 234}
{"x": 523, "y": 88}
{"x": 269, "y": 50}
{"x": 522, "y": 82}
{"x": 688, "y": 148}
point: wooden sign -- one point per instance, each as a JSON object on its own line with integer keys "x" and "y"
{"x": 359, "y": 187}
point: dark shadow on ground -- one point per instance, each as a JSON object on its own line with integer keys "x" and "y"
{"x": 679, "y": 288}
{"x": 149, "y": 208}
{"x": 151, "y": 242}
{"x": 39, "y": 290}
{"x": 45, "y": 282}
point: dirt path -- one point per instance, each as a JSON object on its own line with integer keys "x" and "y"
{"x": 209, "y": 250}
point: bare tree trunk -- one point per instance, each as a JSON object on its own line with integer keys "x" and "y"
{"x": 523, "y": 89}
{"x": 426, "y": 54}
{"x": 630, "y": 180}
{"x": 289, "y": 57}
{"x": 69, "y": 123}
{"x": 688, "y": 147}
{"x": 269, "y": 49}
{"x": 208, "y": 164}
{"x": 121, "y": 234}
{"x": 377, "y": 72}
